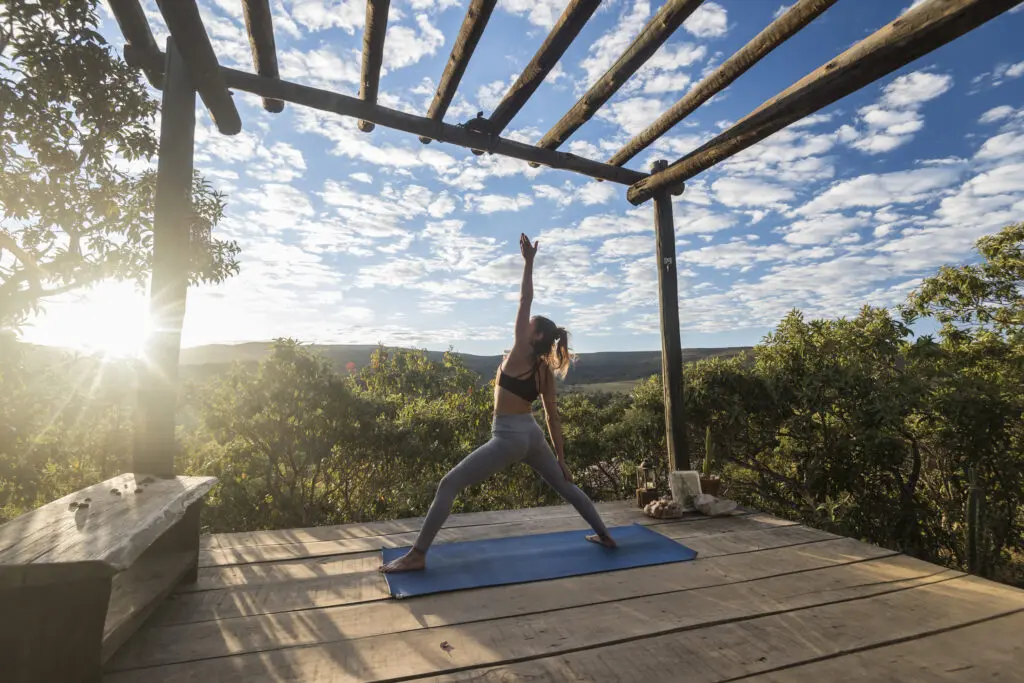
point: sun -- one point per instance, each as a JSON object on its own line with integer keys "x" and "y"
{"x": 111, "y": 319}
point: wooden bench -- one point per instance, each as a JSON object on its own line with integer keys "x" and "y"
{"x": 78, "y": 576}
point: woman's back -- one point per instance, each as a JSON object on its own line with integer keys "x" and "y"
{"x": 517, "y": 383}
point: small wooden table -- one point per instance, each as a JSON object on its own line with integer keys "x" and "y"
{"x": 78, "y": 576}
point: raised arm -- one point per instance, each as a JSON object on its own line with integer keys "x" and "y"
{"x": 526, "y": 290}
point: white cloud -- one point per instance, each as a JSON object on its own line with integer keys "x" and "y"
{"x": 823, "y": 228}
{"x": 543, "y": 13}
{"x": 492, "y": 203}
{"x": 734, "y": 192}
{"x": 873, "y": 190}
{"x": 473, "y": 172}
{"x": 280, "y": 162}
{"x": 1002, "y": 71}
{"x": 350, "y": 142}
{"x": 781, "y": 10}
{"x": 361, "y": 177}
{"x": 997, "y": 114}
{"x": 710, "y": 20}
{"x": 620, "y": 247}
{"x": 610, "y": 46}
{"x": 1002, "y": 147}
{"x": 442, "y": 206}
{"x": 589, "y": 194}
{"x": 633, "y": 114}
{"x": 915, "y": 88}
{"x": 742, "y": 254}
{"x": 489, "y": 95}
{"x": 320, "y": 68}
{"x": 789, "y": 156}
{"x": 896, "y": 117}
{"x": 405, "y": 46}
{"x": 596, "y": 193}
{"x": 318, "y": 15}
{"x": 663, "y": 71}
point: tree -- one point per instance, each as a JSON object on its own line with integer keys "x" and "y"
{"x": 74, "y": 122}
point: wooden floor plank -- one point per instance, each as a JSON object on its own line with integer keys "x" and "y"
{"x": 411, "y": 652}
{"x": 738, "y": 650}
{"x": 990, "y": 651}
{"x": 289, "y": 551}
{"x": 304, "y": 568}
{"x": 243, "y": 539}
{"x": 328, "y": 582}
{"x": 183, "y": 642}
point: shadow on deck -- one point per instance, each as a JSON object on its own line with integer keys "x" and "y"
{"x": 766, "y": 600}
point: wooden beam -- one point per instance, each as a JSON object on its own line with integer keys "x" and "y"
{"x": 260, "y": 26}
{"x": 671, "y": 15}
{"x": 135, "y": 29}
{"x": 477, "y": 16}
{"x": 568, "y": 26}
{"x": 417, "y": 125}
{"x": 186, "y": 27}
{"x": 172, "y": 216}
{"x": 776, "y": 33}
{"x": 914, "y": 34}
{"x": 671, "y": 343}
{"x": 373, "y": 53}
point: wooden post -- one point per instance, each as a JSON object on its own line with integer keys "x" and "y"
{"x": 779, "y": 31}
{"x": 477, "y": 16}
{"x": 373, "y": 54}
{"x": 172, "y": 216}
{"x": 912, "y": 35}
{"x": 661, "y": 26}
{"x": 671, "y": 344}
{"x": 259, "y": 24}
{"x": 565, "y": 30}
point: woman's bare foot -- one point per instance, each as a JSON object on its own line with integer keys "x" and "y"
{"x": 606, "y": 540}
{"x": 412, "y": 561}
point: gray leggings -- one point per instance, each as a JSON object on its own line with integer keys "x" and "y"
{"x": 514, "y": 438}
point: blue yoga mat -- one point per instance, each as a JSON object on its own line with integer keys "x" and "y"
{"x": 520, "y": 559}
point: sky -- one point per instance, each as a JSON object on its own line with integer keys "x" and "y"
{"x": 350, "y": 237}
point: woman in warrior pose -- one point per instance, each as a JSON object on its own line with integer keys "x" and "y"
{"x": 539, "y": 353}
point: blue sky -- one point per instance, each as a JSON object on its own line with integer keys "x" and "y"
{"x": 350, "y": 237}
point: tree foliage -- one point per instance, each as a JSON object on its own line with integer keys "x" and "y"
{"x": 75, "y": 125}
{"x": 854, "y": 425}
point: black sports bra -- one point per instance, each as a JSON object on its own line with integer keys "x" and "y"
{"x": 523, "y": 387}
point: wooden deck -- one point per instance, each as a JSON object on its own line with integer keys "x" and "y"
{"x": 766, "y": 601}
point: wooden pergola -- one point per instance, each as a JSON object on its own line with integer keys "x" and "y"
{"x": 189, "y": 66}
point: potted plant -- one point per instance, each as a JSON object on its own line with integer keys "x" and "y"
{"x": 709, "y": 483}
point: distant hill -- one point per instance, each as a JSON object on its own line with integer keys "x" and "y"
{"x": 590, "y": 368}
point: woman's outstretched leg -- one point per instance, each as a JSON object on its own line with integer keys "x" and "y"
{"x": 492, "y": 457}
{"x": 543, "y": 460}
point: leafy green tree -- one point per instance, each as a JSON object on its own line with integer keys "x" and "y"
{"x": 288, "y": 443}
{"x": 74, "y": 121}
{"x": 974, "y": 419}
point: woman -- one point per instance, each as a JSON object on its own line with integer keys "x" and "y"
{"x": 540, "y": 352}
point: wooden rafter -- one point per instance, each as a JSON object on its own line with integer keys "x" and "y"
{"x": 373, "y": 53}
{"x": 916, "y": 33}
{"x": 778, "y": 32}
{"x": 186, "y": 27}
{"x": 410, "y": 123}
{"x": 259, "y": 24}
{"x": 568, "y": 26}
{"x": 135, "y": 28}
{"x": 662, "y": 25}
{"x": 477, "y": 16}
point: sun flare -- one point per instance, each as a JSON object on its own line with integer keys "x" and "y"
{"x": 111, "y": 319}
